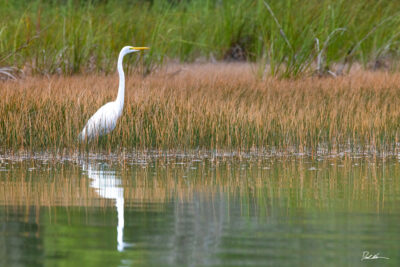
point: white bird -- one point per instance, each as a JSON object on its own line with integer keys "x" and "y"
{"x": 105, "y": 119}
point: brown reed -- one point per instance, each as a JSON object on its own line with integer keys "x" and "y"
{"x": 204, "y": 106}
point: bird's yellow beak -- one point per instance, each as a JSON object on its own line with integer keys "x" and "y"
{"x": 139, "y": 48}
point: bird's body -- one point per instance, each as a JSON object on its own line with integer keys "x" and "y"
{"x": 102, "y": 122}
{"x": 105, "y": 119}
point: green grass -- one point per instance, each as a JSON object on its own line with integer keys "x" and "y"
{"x": 46, "y": 37}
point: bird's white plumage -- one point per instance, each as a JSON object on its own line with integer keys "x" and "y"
{"x": 105, "y": 119}
{"x": 102, "y": 122}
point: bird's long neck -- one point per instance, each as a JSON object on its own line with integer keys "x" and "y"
{"x": 121, "y": 88}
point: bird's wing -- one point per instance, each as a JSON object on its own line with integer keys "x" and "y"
{"x": 102, "y": 122}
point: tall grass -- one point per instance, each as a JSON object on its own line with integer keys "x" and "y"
{"x": 70, "y": 36}
{"x": 207, "y": 106}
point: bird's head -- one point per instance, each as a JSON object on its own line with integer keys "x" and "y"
{"x": 131, "y": 49}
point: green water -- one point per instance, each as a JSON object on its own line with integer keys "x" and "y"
{"x": 200, "y": 211}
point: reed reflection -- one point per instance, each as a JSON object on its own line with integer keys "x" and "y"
{"x": 109, "y": 186}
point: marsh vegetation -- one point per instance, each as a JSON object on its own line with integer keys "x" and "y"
{"x": 254, "y": 132}
{"x": 206, "y": 106}
{"x": 285, "y": 38}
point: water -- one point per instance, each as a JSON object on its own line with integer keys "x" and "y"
{"x": 205, "y": 211}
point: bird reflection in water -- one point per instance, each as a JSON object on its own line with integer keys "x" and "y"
{"x": 109, "y": 186}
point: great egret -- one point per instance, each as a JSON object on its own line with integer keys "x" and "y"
{"x": 105, "y": 119}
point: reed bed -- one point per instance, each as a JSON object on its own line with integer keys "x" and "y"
{"x": 204, "y": 106}
{"x": 289, "y": 37}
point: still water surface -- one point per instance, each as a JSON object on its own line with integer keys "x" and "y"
{"x": 200, "y": 211}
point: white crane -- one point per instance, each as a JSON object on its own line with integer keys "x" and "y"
{"x": 105, "y": 119}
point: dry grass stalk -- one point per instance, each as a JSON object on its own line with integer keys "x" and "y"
{"x": 206, "y": 106}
